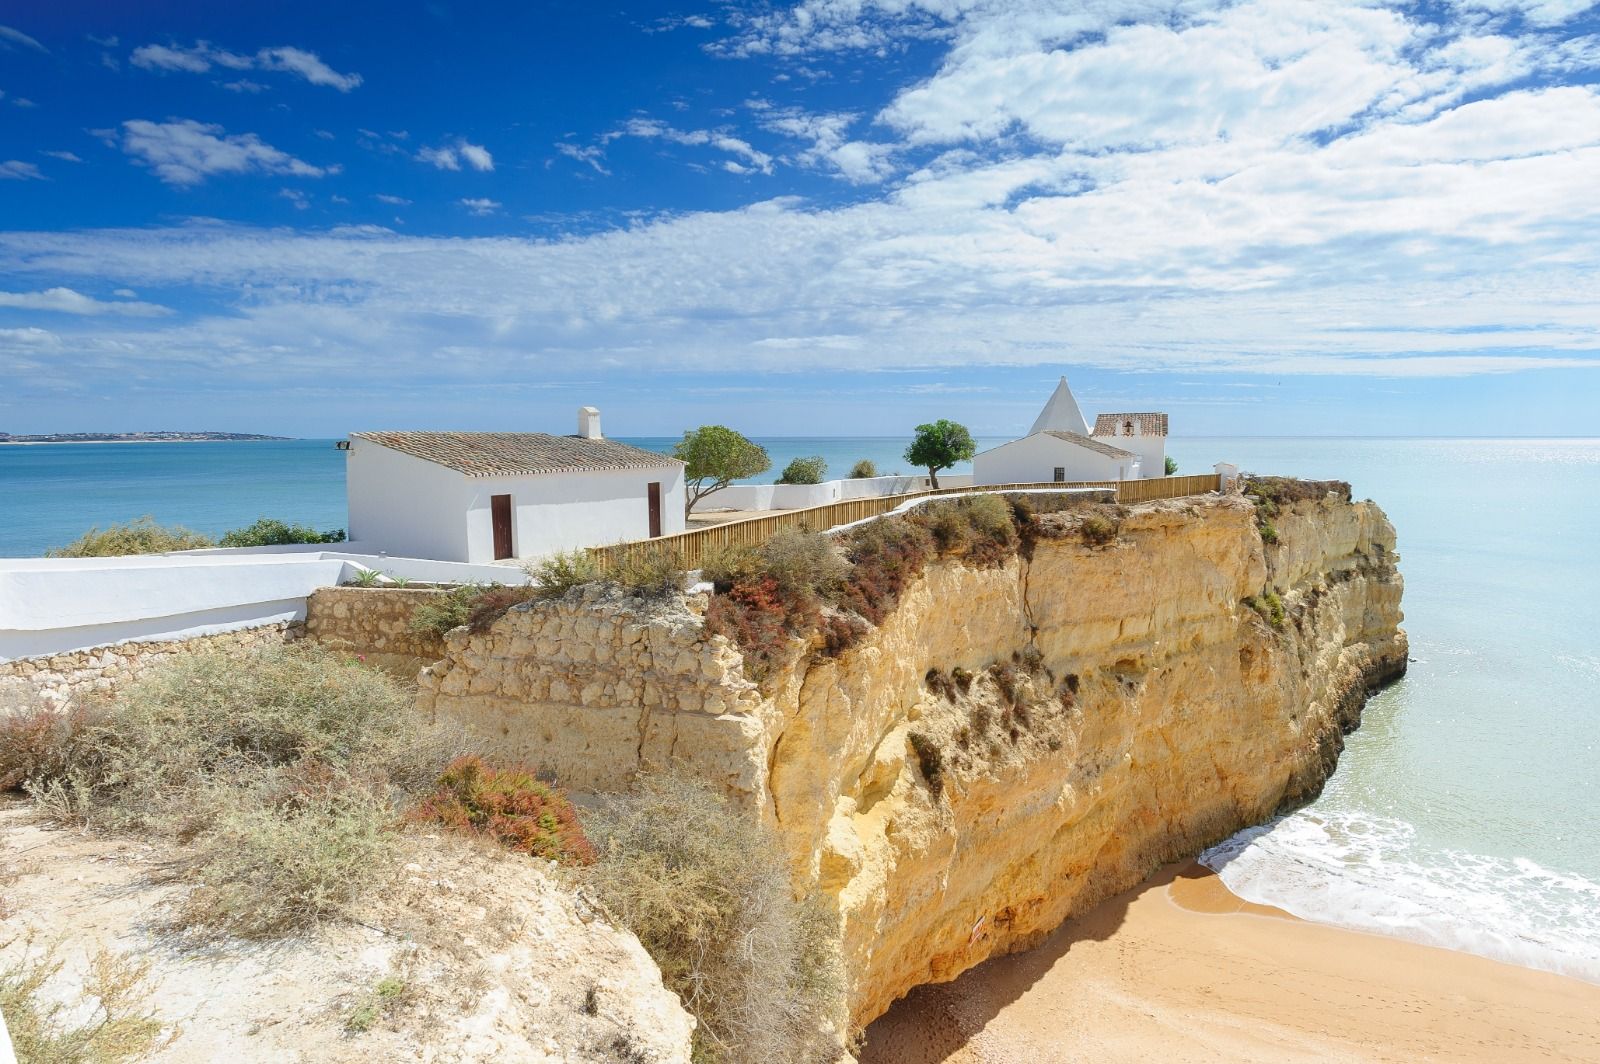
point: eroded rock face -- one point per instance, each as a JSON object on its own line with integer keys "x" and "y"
{"x": 1081, "y": 716}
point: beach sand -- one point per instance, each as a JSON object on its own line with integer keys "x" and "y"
{"x": 1180, "y": 969}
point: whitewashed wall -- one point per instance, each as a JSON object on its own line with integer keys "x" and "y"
{"x": 404, "y": 506}
{"x": 566, "y": 511}
{"x": 1152, "y": 450}
{"x": 800, "y": 496}
{"x": 55, "y": 605}
{"x": 1033, "y": 459}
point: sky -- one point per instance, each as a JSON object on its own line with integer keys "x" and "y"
{"x": 835, "y": 217}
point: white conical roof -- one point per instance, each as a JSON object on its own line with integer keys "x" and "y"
{"x": 1061, "y": 414}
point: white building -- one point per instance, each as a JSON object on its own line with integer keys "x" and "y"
{"x": 485, "y": 496}
{"x": 1060, "y": 447}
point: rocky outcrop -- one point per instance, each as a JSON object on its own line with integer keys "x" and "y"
{"x": 1013, "y": 743}
{"x": 374, "y": 624}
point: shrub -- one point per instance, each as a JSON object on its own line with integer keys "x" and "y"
{"x": 1007, "y": 681}
{"x": 707, "y": 890}
{"x": 864, "y": 469}
{"x": 140, "y": 536}
{"x": 1171, "y": 466}
{"x": 120, "y": 1025}
{"x": 40, "y": 742}
{"x": 269, "y": 531}
{"x": 510, "y": 806}
{"x": 726, "y": 566}
{"x": 1097, "y": 529}
{"x": 281, "y": 769}
{"x": 760, "y": 620}
{"x": 494, "y": 601}
{"x": 386, "y": 997}
{"x": 1269, "y": 605}
{"x": 809, "y": 470}
{"x": 555, "y": 575}
{"x": 365, "y": 578}
{"x": 804, "y": 564}
{"x": 887, "y": 555}
{"x": 443, "y": 612}
{"x": 650, "y": 572}
{"x": 1269, "y": 532}
{"x": 962, "y": 679}
{"x": 940, "y": 684}
{"x": 930, "y": 760}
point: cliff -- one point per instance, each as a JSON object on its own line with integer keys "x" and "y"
{"x": 1012, "y": 744}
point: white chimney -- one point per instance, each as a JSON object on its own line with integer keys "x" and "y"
{"x": 589, "y": 422}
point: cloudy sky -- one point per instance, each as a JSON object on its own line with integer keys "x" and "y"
{"x": 837, "y": 217}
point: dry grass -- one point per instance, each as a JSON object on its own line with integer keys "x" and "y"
{"x": 707, "y": 891}
{"x": 284, "y": 772}
{"x": 119, "y": 1025}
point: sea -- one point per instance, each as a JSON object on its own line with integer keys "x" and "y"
{"x": 1465, "y": 812}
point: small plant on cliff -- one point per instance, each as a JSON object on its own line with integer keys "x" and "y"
{"x": 140, "y": 536}
{"x": 510, "y": 806}
{"x": 562, "y": 571}
{"x": 1098, "y": 529}
{"x": 112, "y": 1025}
{"x": 930, "y": 759}
{"x": 650, "y": 572}
{"x": 1269, "y": 605}
{"x": 475, "y": 605}
{"x": 707, "y": 889}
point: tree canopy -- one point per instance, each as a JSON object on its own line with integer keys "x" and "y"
{"x": 805, "y": 471}
{"x": 715, "y": 456}
{"x": 940, "y": 446}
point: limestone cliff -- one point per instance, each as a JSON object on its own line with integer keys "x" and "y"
{"x": 1011, "y": 745}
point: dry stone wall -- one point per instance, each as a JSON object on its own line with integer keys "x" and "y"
{"x": 374, "y": 624}
{"x": 1011, "y": 745}
{"x": 60, "y": 678}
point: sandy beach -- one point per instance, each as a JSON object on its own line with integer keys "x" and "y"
{"x": 1180, "y": 969}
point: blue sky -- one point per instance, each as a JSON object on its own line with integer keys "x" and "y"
{"x": 835, "y": 217}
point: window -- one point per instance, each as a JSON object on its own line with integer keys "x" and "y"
{"x": 1127, "y": 428}
{"x": 1061, "y": 474}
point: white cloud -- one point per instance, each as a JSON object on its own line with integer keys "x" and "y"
{"x": 451, "y": 156}
{"x": 9, "y": 38}
{"x": 67, "y": 301}
{"x": 747, "y": 157}
{"x": 856, "y": 161}
{"x": 203, "y": 55}
{"x": 295, "y": 196}
{"x": 590, "y": 155}
{"x": 394, "y": 201}
{"x": 17, "y": 170}
{"x": 481, "y": 207}
{"x": 64, "y": 156}
{"x": 244, "y": 85}
{"x": 186, "y": 152}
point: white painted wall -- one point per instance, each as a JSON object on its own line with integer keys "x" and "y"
{"x": 405, "y": 506}
{"x": 1152, "y": 450}
{"x": 565, "y": 511}
{"x": 800, "y": 496}
{"x": 1033, "y": 460}
{"x": 55, "y": 605}
{"x": 413, "y": 508}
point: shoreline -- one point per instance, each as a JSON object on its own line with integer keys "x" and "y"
{"x": 73, "y": 443}
{"x": 1182, "y": 969}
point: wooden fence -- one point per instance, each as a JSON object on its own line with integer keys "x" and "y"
{"x": 693, "y": 546}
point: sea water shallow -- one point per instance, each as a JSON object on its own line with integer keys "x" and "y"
{"x": 1465, "y": 811}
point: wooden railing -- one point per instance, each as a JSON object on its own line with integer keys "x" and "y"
{"x": 693, "y": 546}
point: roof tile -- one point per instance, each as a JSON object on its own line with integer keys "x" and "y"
{"x": 488, "y": 454}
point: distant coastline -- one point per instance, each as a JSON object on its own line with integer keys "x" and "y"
{"x": 135, "y": 437}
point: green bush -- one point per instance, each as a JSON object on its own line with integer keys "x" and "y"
{"x": 707, "y": 890}
{"x": 810, "y": 470}
{"x": 283, "y": 772}
{"x": 474, "y": 605}
{"x": 269, "y": 531}
{"x": 650, "y": 572}
{"x": 864, "y": 469}
{"x": 727, "y": 566}
{"x": 140, "y": 536}
{"x": 804, "y": 564}
{"x": 1098, "y": 529}
{"x": 1171, "y": 466}
{"x": 559, "y": 573}
{"x": 930, "y": 759}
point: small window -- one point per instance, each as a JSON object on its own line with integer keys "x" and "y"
{"x": 1061, "y": 474}
{"x": 1127, "y": 428}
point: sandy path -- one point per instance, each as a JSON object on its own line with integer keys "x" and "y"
{"x": 1182, "y": 970}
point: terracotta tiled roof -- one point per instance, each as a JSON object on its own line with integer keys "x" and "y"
{"x": 487, "y": 454}
{"x": 1147, "y": 424}
{"x": 1091, "y": 443}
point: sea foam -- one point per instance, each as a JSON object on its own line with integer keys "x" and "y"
{"x": 1367, "y": 873}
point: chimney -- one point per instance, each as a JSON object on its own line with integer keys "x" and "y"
{"x": 589, "y": 422}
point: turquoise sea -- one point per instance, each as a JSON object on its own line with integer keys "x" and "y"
{"x": 1464, "y": 812}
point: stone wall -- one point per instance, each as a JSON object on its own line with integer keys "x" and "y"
{"x": 375, "y": 624}
{"x": 1012, "y": 745}
{"x": 101, "y": 670}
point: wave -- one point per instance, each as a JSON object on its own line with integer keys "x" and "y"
{"x": 1367, "y": 873}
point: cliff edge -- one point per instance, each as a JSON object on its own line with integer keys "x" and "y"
{"x": 1017, "y": 740}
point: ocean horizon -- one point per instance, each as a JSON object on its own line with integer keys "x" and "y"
{"x": 1460, "y": 814}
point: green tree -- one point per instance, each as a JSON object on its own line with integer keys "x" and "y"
{"x": 1172, "y": 465}
{"x": 940, "y": 446}
{"x": 269, "y": 532}
{"x": 715, "y": 456}
{"x": 805, "y": 471}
